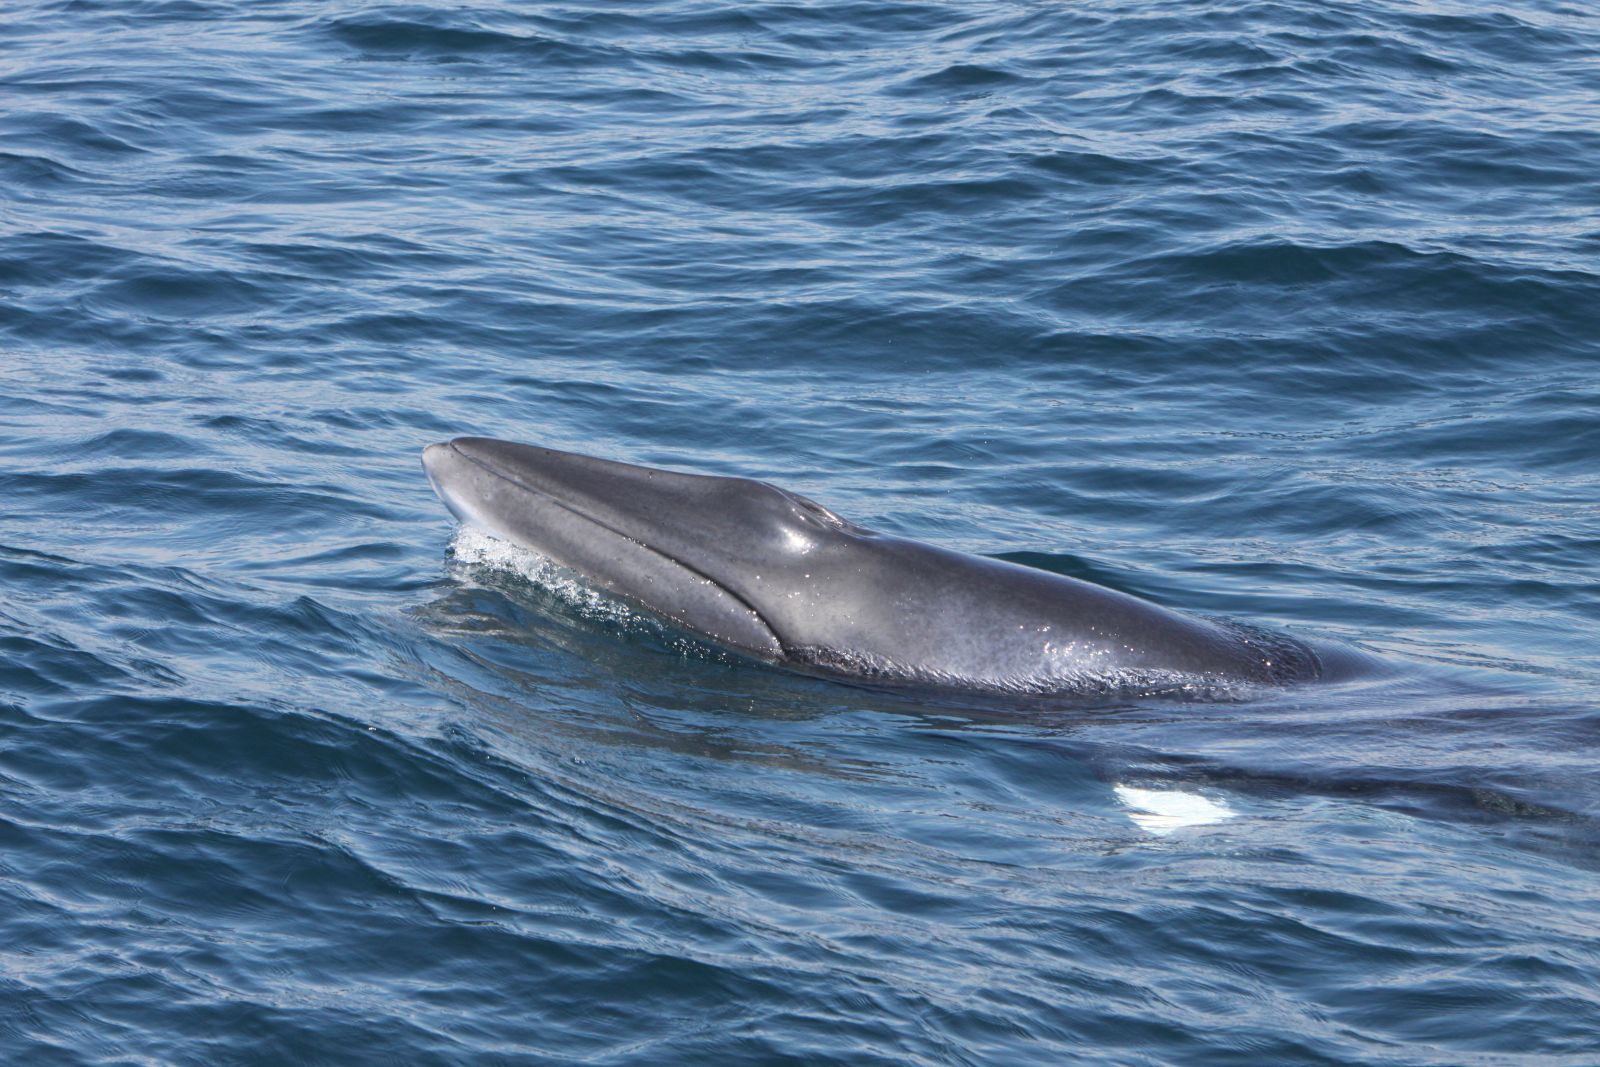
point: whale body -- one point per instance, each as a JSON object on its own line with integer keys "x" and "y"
{"x": 782, "y": 579}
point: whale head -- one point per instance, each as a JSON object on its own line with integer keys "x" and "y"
{"x": 733, "y": 558}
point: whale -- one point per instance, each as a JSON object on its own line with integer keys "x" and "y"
{"x": 777, "y": 577}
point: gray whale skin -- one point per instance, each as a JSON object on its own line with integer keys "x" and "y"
{"x": 780, "y": 578}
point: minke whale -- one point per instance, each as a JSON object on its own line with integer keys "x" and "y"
{"x": 780, "y": 578}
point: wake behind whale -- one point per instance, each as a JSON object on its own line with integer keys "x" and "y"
{"x": 780, "y": 578}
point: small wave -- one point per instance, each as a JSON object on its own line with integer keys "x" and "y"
{"x": 183, "y": 294}
{"x": 409, "y": 33}
{"x": 965, "y": 77}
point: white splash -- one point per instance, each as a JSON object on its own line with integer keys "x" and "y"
{"x": 474, "y": 548}
{"x": 1162, "y": 811}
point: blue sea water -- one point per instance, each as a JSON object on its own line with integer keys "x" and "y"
{"x": 1286, "y": 311}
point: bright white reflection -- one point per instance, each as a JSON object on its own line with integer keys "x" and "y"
{"x": 1162, "y": 811}
{"x": 797, "y": 541}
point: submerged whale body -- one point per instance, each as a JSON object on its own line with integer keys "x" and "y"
{"x": 783, "y": 579}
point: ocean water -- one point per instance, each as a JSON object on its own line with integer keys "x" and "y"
{"x": 1283, "y": 311}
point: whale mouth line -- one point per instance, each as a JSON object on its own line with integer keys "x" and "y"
{"x": 579, "y": 513}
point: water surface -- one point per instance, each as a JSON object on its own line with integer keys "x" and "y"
{"x": 1285, "y": 312}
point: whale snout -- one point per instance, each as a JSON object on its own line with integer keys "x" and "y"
{"x": 437, "y": 462}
